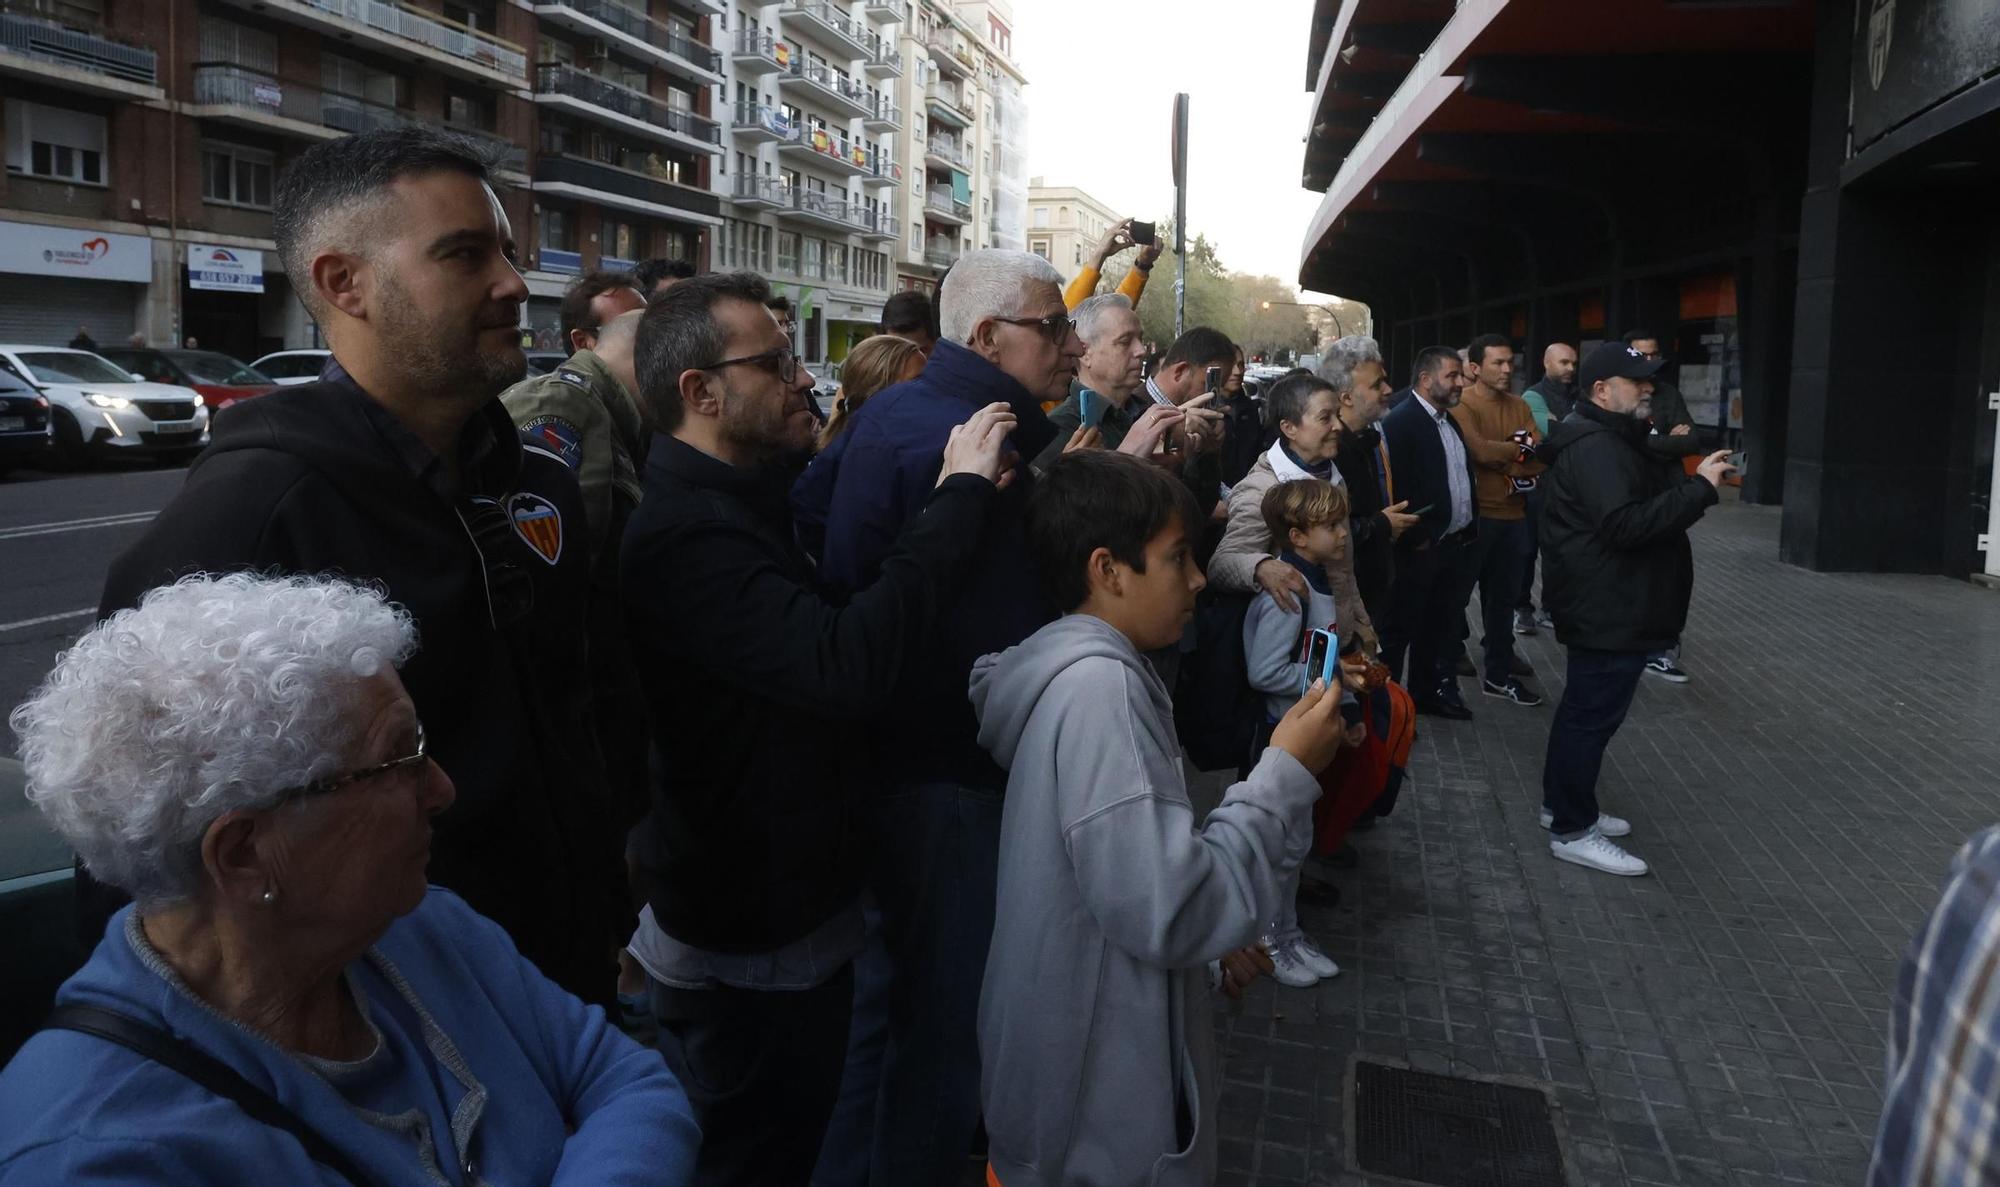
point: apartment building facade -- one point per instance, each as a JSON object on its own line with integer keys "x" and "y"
{"x": 1065, "y": 225}
{"x": 143, "y": 138}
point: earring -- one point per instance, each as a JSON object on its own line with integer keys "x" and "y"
{"x": 270, "y": 895}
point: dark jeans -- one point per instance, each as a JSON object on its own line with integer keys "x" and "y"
{"x": 1525, "y": 600}
{"x": 1594, "y": 704}
{"x": 1427, "y": 612}
{"x": 937, "y": 865}
{"x": 761, "y": 1069}
{"x": 1502, "y": 544}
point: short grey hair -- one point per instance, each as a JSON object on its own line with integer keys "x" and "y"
{"x": 213, "y": 695}
{"x": 1089, "y": 315}
{"x": 992, "y": 282}
{"x": 1346, "y": 354}
{"x": 1288, "y": 399}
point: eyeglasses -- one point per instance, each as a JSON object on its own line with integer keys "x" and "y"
{"x": 336, "y": 782}
{"x": 781, "y": 360}
{"x": 1057, "y": 326}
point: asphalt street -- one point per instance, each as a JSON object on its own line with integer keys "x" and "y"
{"x": 59, "y": 533}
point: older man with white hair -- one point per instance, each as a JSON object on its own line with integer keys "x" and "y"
{"x": 1006, "y": 337}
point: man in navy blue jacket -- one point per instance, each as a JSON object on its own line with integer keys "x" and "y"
{"x": 1006, "y": 338}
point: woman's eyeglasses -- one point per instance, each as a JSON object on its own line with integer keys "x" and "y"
{"x": 1056, "y": 326}
{"x": 336, "y": 782}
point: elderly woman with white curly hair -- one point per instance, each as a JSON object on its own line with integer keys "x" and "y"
{"x": 286, "y": 1001}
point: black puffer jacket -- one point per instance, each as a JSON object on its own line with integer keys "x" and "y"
{"x": 1617, "y": 569}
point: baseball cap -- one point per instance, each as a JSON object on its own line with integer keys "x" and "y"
{"x": 1610, "y": 359}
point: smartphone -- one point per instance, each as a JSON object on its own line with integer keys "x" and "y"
{"x": 1738, "y": 458}
{"x": 1142, "y": 233}
{"x": 1322, "y": 660}
{"x": 1083, "y": 406}
{"x": 1214, "y": 380}
{"x": 1423, "y": 510}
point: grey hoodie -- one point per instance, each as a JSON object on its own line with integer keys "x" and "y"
{"x": 1097, "y": 1063}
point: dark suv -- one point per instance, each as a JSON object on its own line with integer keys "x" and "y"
{"x": 24, "y": 422}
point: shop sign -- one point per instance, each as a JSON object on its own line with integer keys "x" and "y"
{"x": 215, "y": 268}
{"x": 38, "y": 250}
{"x": 1909, "y": 57}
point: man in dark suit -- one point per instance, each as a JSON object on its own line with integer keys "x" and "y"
{"x": 1434, "y": 558}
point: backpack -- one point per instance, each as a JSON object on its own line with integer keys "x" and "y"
{"x": 1216, "y": 712}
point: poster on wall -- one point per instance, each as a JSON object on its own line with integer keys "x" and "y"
{"x": 214, "y": 268}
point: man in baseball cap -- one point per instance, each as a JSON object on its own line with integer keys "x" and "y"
{"x": 1617, "y": 573}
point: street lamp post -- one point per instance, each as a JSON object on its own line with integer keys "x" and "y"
{"x": 1330, "y": 311}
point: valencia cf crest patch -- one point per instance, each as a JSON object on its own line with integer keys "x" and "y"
{"x": 537, "y": 522}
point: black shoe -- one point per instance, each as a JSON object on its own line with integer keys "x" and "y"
{"x": 1513, "y": 690}
{"x": 1465, "y": 667}
{"x": 1452, "y": 709}
{"x": 1516, "y": 666}
{"x": 1524, "y": 622}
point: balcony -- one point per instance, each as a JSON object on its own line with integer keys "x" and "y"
{"x": 878, "y": 226}
{"x": 883, "y": 117}
{"x": 824, "y": 210}
{"x": 882, "y": 172}
{"x": 624, "y": 189}
{"x": 953, "y": 60}
{"x": 226, "y": 93}
{"x": 824, "y": 146}
{"x": 612, "y": 22}
{"x": 761, "y": 193}
{"x": 941, "y": 206}
{"x": 884, "y": 57}
{"x": 940, "y": 251}
{"x": 701, "y": 8}
{"x": 48, "y": 54}
{"x": 948, "y": 103}
{"x": 405, "y": 33}
{"x": 885, "y": 10}
{"x": 566, "y": 87}
{"x": 822, "y": 22}
{"x": 831, "y": 88}
{"x": 756, "y": 123}
{"x": 759, "y": 53}
{"x": 945, "y": 152}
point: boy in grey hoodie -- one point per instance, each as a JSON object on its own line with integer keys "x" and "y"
{"x": 1097, "y": 1062}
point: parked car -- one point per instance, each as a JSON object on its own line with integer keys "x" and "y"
{"x": 286, "y": 367}
{"x": 99, "y": 409}
{"x": 221, "y": 380}
{"x": 24, "y": 422}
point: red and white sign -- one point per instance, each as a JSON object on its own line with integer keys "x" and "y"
{"x": 38, "y": 250}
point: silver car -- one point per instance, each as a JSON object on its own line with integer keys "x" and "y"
{"x": 99, "y": 409}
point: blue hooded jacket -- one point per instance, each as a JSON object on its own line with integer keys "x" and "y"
{"x": 856, "y": 501}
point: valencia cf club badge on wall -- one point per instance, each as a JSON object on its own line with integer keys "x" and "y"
{"x": 538, "y": 523}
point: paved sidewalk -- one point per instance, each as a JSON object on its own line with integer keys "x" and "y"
{"x": 1721, "y": 1020}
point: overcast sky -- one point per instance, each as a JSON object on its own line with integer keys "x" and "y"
{"x": 1101, "y": 81}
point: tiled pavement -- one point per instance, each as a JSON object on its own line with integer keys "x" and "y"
{"x": 1722, "y": 1020}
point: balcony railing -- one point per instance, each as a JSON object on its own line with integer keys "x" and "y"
{"x": 835, "y": 146}
{"x": 252, "y": 93}
{"x": 762, "y": 53}
{"x": 938, "y": 199}
{"x": 53, "y": 43}
{"x": 947, "y": 54}
{"x": 606, "y": 178}
{"x": 883, "y": 55}
{"x": 751, "y": 187}
{"x": 946, "y": 148}
{"x": 836, "y": 84}
{"x": 640, "y": 27}
{"x": 553, "y": 78}
{"x": 445, "y": 36}
{"x": 884, "y": 114}
{"x": 940, "y": 252}
{"x": 842, "y": 26}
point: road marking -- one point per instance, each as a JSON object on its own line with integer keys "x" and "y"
{"x": 76, "y": 525}
{"x": 28, "y": 622}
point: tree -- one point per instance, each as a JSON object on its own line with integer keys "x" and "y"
{"x": 1232, "y": 302}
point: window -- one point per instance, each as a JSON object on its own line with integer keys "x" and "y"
{"x": 345, "y": 76}
{"x": 621, "y": 240}
{"x": 811, "y": 262}
{"x": 788, "y": 252}
{"x": 1078, "y": 249}
{"x": 916, "y": 239}
{"x": 1041, "y": 216}
{"x": 836, "y": 263}
{"x": 1040, "y": 247}
{"x": 236, "y": 176}
{"x": 470, "y": 110}
{"x": 1062, "y": 215}
{"x": 473, "y": 14}
{"x": 237, "y": 45}
{"x": 558, "y": 230}
{"x": 55, "y": 143}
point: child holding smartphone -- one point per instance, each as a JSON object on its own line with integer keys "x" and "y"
{"x": 1308, "y": 518}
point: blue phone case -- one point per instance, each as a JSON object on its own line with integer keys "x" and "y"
{"x": 1328, "y": 665}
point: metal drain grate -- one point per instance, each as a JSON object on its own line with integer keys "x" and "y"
{"x": 1452, "y": 1132}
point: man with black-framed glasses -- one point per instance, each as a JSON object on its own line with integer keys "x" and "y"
{"x": 761, "y": 694}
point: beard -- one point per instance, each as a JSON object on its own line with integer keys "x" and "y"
{"x": 443, "y": 354}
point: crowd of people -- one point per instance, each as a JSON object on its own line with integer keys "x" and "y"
{"x": 849, "y": 758}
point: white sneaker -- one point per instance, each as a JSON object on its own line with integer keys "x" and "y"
{"x": 1609, "y": 825}
{"x": 1286, "y": 967}
{"x": 1593, "y": 850}
{"x": 1309, "y": 955}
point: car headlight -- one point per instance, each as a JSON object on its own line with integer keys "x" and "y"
{"x": 100, "y": 400}
{"x": 199, "y": 401}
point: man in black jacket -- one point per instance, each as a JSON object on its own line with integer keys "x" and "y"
{"x": 401, "y": 466}
{"x": 1617, "y": 572}
{"x": 761, "y": 695}
{"x": 1374, "y": 521}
